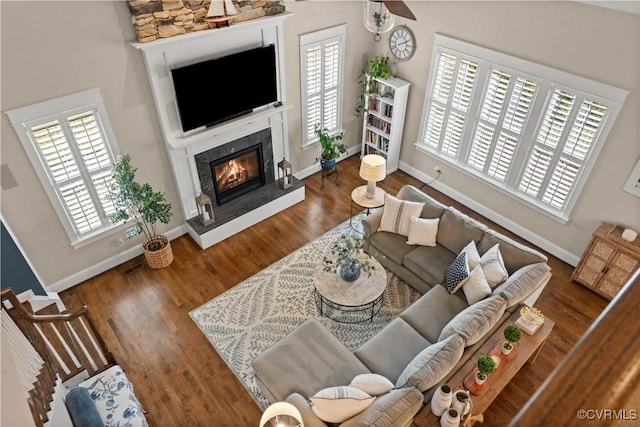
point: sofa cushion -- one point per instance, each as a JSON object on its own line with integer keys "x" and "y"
{"x": 432, "y": 311}
{"x": 422, "y": 231}
{"x": 82, "y": 410}
{"x": 493, "y": 266}
{"x": 337, "y": 404}
{"x": 476, "y": 287}
{"x": 476, "y": 320}
{"x": 391, "y": 349}
{"x": 514, "y": 254}
{"x": 522, "y": 283}
{"x": 396, "y": 214}
{"x": 394, "y": 409}
{"x": 372, "y": 384}
{"x": 457, "y": 229}
{"x": 456, "y": 274}
{"x": 390, "y": 245}
{"x": 431, "y": 209}
{"x": 305, "y": 361}
{"x": 432, "y": 364}
{"x": 428, "y": 263}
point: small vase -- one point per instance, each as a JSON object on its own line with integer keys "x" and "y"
{"x": 461, "y": 403}
{"x": 327, "y": 164}
{"x": 441, "y": 400}
{"x": 350, "y": 271}
{"x": 450, "y": 418}
{"x": 478, "y": 380}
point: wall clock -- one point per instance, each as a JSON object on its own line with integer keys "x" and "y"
{"x": 402, "y": 43}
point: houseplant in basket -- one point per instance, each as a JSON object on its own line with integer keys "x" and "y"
{"x": 347, "y": 257}
{"x": 512, "y": 334}
{"x": 486, "y": 366}
{"x": 144, "y": 206}
{"x": 331, "y": 148}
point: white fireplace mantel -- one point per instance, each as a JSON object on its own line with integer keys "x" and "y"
{"x": 162, "y": 56}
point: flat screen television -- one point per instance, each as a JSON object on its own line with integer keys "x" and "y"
{"x": 220, "y": 89}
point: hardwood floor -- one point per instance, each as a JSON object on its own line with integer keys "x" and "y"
{"x": 178, "y": 376}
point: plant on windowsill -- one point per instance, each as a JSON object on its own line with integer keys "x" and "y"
{"x": 375, "y": 68}
{"x": 138, "y": 202}
{"x": 486, "y": 366}
{"x": 348, "y": 258}
{"x": 330, "y": 147}
{"x": 512, "y": 334}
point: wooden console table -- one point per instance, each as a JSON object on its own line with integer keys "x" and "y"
{"x": 528, "y": 349}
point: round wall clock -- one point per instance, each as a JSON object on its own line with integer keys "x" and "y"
{"x": 402, "y": 43}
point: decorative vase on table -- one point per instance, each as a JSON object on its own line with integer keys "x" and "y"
{"x": 327, "y": 164}
{"x": 461, "y": 402}
{"x": 450, "y": 418}
{"x": 441, "y": 400}
{"x": 350, "y": 271}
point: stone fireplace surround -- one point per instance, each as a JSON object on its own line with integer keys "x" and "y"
{"x": 163, "y": 55}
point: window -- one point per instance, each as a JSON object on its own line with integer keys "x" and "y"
{"x": 526, "y": 129}
{"x": 322, "y": 76}
{"x": 70, "y": 145}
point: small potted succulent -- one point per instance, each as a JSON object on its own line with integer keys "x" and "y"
{"x": 348, "y": 259}
{"x": 512, "y": 334}
{"x": 331, "y": 148}
{"x": 486, "y": 366}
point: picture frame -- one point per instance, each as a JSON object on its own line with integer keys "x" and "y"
{"x": 633, "y": 182}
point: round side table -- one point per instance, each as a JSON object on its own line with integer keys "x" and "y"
{"x": 359, "y": 198}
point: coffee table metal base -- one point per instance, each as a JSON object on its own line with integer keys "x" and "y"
{"x": 348, "y": 314}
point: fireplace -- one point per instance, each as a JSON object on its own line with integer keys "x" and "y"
{"x": 238, "y": 173}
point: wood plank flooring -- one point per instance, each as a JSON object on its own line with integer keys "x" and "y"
{"x": 178, "y": 376}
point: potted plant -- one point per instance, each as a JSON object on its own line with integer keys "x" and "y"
{"x": 375, "y": 68}
{"x": 347, "y": 258}
{"x": 512, "y": 334}
{"x": 330, "y": 147}
{"x": 486, "y": 366}
{"x": 144, "y": 206}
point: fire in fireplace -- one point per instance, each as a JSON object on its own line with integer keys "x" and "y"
{"x": 237, "y": 173}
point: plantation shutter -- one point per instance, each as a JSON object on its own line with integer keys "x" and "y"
{"x": 79, "y": 164}
{"x": 321, "y": 56}
{"x": 453, "y": 87}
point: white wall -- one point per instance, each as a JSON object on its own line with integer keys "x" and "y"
{"x": 52, "y": 48}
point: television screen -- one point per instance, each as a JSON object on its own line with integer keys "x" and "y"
{"x": 216, "y": 90}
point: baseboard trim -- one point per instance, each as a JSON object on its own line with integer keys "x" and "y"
{"x": 503, "y": 221}
{"x": 109, "y": 263}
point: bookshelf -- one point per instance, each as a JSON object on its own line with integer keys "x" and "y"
{"x": 383, "y": 121}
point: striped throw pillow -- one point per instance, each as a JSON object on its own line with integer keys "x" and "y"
{"x": 397, "y": 213}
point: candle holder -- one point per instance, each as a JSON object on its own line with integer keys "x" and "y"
{"x": 205, "y": 210}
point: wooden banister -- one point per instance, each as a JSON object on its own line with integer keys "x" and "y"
{"x": 594, "y": 381}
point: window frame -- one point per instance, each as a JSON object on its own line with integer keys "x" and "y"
{"x": 24, "y": 118}
{"x": 321, "y": 38}
{"x": 547, "y": 79}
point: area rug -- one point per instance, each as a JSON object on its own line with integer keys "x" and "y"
{"x": 249, "y": 318}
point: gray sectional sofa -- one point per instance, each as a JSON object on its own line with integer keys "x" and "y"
{"x": 427, "y": 343}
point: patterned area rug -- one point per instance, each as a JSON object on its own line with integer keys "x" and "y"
{"x": 249, "y": 318}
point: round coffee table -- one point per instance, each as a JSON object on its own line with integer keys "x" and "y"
{"x": 339, "y": 300}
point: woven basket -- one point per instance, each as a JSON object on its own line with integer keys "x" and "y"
{"x": 160, "y": 258}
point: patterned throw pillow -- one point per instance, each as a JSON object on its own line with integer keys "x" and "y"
{"x": 396, "y": 214}
{"x": 457, "y": 273}
{"x": 337, "y": 404}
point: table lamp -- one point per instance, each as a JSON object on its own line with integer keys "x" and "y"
{"x": 281, "y": 414}
{"x": 372, "y": 169}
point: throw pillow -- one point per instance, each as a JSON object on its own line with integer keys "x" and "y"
{"x": 372, "y": 384}
{"x": 432, "y": 364}
{"x": 476, "y": 287}
{"x": 82, "y": 410}
{"x": 456, "y": 274}
{"x": 475, "y": 321}
{"x": 337, "y": 404}
{"x": 473, "y": 257}
{"x": 493, "y": 266}
{"x": 396, "y": 214}
{"x": 423, "y": 231}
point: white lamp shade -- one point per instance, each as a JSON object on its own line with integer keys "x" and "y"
{"x": 377, "y": 17}
{"x": 286, "y": 414}
{"x": 373, "y": 168}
